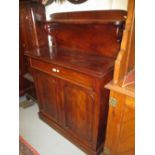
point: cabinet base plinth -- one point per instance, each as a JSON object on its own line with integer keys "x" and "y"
{"x": 73, "y": 140}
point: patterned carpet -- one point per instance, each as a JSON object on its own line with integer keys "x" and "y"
{"x": 25, "y": 148}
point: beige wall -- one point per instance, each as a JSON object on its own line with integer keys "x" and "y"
{"x": 88, "y": 5}
{"x": 119, "y": 4}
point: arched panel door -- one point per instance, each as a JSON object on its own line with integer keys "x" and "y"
{"x": 78, "y": 104}
{"x": 47, "y": 94}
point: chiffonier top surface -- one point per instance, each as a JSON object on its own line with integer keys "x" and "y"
{"x": 91, "y": 64}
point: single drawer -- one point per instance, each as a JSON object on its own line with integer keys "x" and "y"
{"x": 63, "y": 73}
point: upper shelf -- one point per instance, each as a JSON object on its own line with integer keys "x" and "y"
{"x": 89, "y": 17}
{"x": 84, "y": 21}
{"x": 88, "y": 31}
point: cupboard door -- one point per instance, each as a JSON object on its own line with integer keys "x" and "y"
{"x": 47, "y": 94}
{"x": 78, "y": 105}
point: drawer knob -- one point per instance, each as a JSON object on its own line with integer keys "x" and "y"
{"x": 26, "y": 17}
{"x": 58, "y": 71}
{"x": 54, "y": 69}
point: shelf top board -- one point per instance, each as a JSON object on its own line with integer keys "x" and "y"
{"x": 117, "y": 17}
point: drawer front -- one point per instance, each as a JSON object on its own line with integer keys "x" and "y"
{"x": 63, "y": 73}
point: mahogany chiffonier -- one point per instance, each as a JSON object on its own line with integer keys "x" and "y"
{"x": 70, "y": 75}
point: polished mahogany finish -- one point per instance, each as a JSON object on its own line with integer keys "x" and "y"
{"x": 97, "y": 15}
{"x": 98, "y": 32}
{"x": 29, "y": 38}
{"x": 70, "y": 76}
{"x": 95, "y": 65}
{"x": 70, "y": 94}
{"x": 29, "y": 30}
